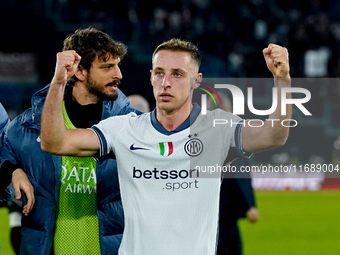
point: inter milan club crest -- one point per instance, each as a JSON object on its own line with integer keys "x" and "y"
{"x": 166, "y": 148}
{"x": 194, "y": 146}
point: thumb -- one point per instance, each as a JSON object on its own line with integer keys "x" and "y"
{"x": 77, "y": 58}
{"x": 16, "y": 187}
{"x": 17, "y": 192}
{"x": 266, "y": 53}
{"x": 76, "y": 62}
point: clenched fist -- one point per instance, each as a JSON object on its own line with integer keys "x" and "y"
{"x": 277, "y": 60}
{"x": 66, "y": 66}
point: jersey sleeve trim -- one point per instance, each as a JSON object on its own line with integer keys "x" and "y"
{"x": 238, "y": 139}
{"x": 103, "y": 148}
{"x": 238, "y": 135}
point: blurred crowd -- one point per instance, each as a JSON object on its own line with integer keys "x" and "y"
{"x": 231, "y": 31}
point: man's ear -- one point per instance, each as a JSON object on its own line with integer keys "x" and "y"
{"x": 198, "y": 80}
{"x": 151, "y": 76}
{"x": 81, "y": 73}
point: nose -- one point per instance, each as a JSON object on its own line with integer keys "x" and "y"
{"x": 117, "y": 73}
{"x": 166, "y": 81}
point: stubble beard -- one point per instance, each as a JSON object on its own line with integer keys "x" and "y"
{"x": 99, "y": 90}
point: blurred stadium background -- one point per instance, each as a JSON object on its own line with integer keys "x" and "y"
{"x": 231, "y": 36}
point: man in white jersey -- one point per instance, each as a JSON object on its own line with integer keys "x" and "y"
{"x": 169, "y": 208}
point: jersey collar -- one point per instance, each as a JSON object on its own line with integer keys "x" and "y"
{"x": 189, "y": 121}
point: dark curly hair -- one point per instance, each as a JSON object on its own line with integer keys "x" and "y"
{"x": 91, "y": 42}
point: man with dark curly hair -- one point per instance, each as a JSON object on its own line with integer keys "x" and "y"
{"x": 77, "y": 208}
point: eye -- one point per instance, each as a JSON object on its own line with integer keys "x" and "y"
{"x": 159, "y": 73}
{"x": 177, "y": 74}
{"x": 108, "y": 67}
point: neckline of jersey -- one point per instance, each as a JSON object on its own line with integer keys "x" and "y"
{"x": 187, "y": 123}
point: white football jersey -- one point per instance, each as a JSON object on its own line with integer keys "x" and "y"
{"x": 170, "y": 206}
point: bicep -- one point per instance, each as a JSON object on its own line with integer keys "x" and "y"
{"x": 81, "y": 143}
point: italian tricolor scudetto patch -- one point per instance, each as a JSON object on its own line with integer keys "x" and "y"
{"x": 166, "y": 148}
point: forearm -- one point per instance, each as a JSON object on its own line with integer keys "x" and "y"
{"x": 53, "y": 131}
{"x": 277, "y": 128}
{"x": 274, "y": 132}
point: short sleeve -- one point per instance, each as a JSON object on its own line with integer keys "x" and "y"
{"x": 108, "y": 130}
